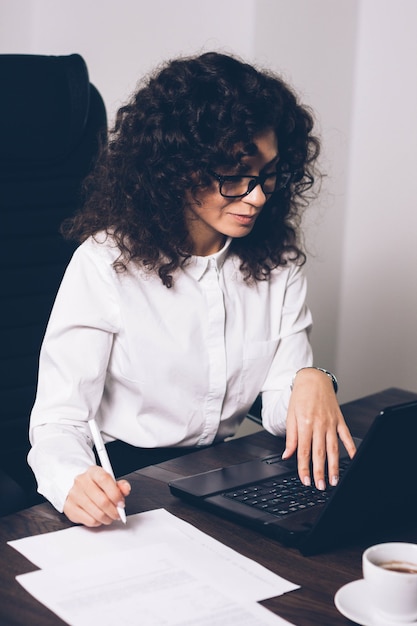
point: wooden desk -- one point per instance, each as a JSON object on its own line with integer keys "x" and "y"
{"x": 319, "y": 576}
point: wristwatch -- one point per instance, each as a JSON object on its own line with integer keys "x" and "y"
{"x": 321, "y": 369}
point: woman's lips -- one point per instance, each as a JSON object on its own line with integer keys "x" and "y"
{"x": 244, "y": 219}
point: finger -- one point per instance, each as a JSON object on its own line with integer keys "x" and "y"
{"x": 319, "y": 453}
{"x": 80, "y": 509}
{"x": 91, "y": 492}
{"x": 332, "y": 447}
{"x": 291, "y": 436}
{"x": 302, "y": 438}
{"x": 124, "y": 487}
{"x": 347, "y": 439}
{"x": 105, "y": 493}
{"x": 79, "y": 515}
{"x": 305, "y": 437}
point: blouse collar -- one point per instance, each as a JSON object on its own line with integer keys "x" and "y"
{"x": 196, "y": 266}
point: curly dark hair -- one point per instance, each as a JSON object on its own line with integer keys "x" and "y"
{"x": 194, "y": 115}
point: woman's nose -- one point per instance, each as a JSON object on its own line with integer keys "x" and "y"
{"x": 256, "y": 197}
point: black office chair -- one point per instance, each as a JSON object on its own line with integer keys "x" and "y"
{"x": 52, "y": 121}
{"x": 255, "y": 412}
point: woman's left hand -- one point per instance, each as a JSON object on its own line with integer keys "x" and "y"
{"x": 314, "y": 425}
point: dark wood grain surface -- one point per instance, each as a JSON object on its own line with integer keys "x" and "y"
{"x": 319, "y": 576}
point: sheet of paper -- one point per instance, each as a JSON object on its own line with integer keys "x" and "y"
{"x": 193, "y": 551}
{"x": 143, "y": 586}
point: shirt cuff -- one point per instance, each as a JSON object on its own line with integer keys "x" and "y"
{"x": 56, "y": 458}
{"x": 274, "y": 411}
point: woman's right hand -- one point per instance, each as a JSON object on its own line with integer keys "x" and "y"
{"x": 94, "y": 498}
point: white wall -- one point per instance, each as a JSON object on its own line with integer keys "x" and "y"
{"x": 313, "y": 45}
{"x": 121, "y": 40}
{"x": 354, "y": 62}
{"x": 378, "y": 324}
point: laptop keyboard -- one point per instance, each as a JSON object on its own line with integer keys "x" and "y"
{"x": 282, "y": 495}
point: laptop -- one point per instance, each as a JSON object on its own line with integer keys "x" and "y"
{"x": 375, "y": 496}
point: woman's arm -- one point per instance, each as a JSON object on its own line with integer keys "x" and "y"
{"x": 72, "y": 374}
{"x": 299, "y": 400}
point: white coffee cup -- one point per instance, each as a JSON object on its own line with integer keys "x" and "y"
{"x": 390, "y": 571}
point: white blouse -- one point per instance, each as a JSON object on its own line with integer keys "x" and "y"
{"x": 161, "y": 367}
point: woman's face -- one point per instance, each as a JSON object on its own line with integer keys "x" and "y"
{"x": 210, "y": 218}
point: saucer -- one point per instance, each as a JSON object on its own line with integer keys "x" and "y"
{"x": 352, "y": 601}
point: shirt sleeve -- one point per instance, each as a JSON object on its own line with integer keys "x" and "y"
{"x": 72, "y": 370}
{"x": 293, "y": 352}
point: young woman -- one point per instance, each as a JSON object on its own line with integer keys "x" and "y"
{"x": 186, "y": 297}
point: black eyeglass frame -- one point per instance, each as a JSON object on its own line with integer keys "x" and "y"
{"x": 253, "y": 182}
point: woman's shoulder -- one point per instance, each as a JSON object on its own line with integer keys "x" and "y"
{"x": 100, "y": 246}
{"x": 95, "y": 256}
{"x": 290, "y": 270}
{"x": 101, "y": 253}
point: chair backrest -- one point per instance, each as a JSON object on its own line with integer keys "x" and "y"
{"x": 52, "y": 121}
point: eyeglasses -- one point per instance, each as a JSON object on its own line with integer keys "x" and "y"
{"x": 242, "y": 185}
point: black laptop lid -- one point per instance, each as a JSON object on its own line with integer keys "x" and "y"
{"x": 376, "y": 494}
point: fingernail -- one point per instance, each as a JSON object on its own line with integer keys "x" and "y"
{"x": 321, "y": 485}
{"x": 121, "y": 505}
{"x": 307, "y": 481}
{"x": 334, "y": 481}
{"x": 284, "y": 455}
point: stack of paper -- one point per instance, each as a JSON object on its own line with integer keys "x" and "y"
{"x": 157, "y": 570}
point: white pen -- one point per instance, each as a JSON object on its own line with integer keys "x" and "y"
{"x": 104, "y": 458}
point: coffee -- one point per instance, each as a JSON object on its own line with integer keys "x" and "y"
{"x": 400, "y": 566}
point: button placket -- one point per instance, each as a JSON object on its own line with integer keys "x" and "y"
{"x": 216, "y": 318}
